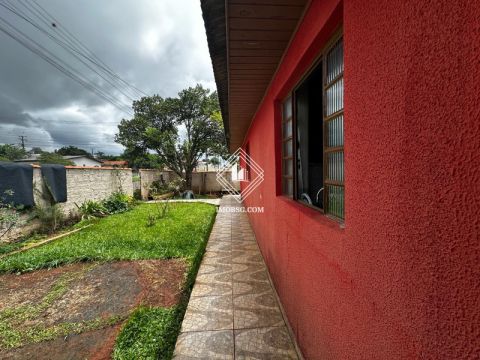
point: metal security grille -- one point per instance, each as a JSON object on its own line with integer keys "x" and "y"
{"x": 334, "y": 195}
{"x": 287, "y": 148}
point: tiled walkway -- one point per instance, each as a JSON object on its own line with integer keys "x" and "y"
{"x": 233, "y": 312}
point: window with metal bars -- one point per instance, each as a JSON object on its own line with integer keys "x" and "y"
{"x": 312, "y": 136}
{"x": 287, "y": 148}
{"x": 333, "y": 131}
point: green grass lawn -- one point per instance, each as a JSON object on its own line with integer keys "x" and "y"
{"x": 150, "y": 332}
{"x": 124, "y": 236}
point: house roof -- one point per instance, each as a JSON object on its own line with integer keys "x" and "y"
{"x": 78, "y": 156}
{"x": 246, "y": 40}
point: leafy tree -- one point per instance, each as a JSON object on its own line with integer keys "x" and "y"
{"x": 180, "y": 130}
{"x": 12, "y": 152}
{"x": 215, "y": 161}
{"x": 71, "y": 150}
{"x": 137, "y": 158}
{"x": 53, "y": 158}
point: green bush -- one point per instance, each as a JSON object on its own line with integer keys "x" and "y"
{"x": 118, "y": 203}
{"x": 91, "y": 209}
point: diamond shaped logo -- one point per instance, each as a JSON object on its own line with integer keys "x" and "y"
{"x": 250, "y": 172}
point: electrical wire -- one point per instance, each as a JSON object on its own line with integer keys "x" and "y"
{"x": 65, "y": 39}
{"x": 65, "y": 68}
{"x": 74, "y": 40}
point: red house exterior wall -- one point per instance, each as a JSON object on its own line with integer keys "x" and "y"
{"x": 401, "y": 280}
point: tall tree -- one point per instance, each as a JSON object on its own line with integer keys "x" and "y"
{"x": 72, "y": 150}
{"x": 180, "y": 130}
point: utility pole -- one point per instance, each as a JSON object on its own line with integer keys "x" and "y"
{"x": 22, "y": 140}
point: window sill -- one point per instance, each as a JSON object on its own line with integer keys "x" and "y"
{"x": 315, "y": 213}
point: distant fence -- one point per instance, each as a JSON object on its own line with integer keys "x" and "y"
{"x": 202, "y": 181}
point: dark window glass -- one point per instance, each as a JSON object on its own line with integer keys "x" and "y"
{"x": 312, "y": 137}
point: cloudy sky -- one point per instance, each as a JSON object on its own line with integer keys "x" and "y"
{"x": 159, "y": 46}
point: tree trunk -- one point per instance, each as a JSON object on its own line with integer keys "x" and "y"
{"x": 188, "y": 180}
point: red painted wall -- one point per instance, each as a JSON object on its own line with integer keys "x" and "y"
{"x": 402, "y": 280}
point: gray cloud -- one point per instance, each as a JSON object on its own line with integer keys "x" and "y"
{"x": 159, "y": 46}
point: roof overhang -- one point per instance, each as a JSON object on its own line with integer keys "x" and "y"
{"x": 247, "y": 39}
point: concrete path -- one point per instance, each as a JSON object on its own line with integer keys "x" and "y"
{"x": 233, "y": 311}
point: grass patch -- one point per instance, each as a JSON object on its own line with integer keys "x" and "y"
{"x": 150, "y": 332}
{"x": 24, "y": 242}
{"x": 124, "y": 236}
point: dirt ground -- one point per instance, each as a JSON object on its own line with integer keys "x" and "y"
{"x": 74, "y": 295}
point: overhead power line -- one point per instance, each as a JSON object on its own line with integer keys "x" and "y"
{"x": 60, "y": 35}
{"x": 61, "y": 65}
{"x": 82, "y": 45}
{"x": 68, "y": 47}
{"x": 38, "y": 17}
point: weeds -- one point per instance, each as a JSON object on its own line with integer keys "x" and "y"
{"x": 50, "y": 216}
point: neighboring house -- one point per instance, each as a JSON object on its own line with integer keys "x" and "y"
{"x": 78, "y": 160}
{"x": 115, "y": 163}
{"x": 82, "y": 160}
{"x": 364, "y": 116}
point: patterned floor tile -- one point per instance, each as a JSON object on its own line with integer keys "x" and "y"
{"x": 243, "y": 257}
{"x": 246, "y": 287}
{"x": 215, "y": 269}
{"x": 258, "y": 276}
{"x": 256, "y": 310}
{"x": 217, "y": 257}
{"x": 244, "y": 245}
{"x": 219, "y": 246}
{"x": 211, "y": 288}
{"x": 208, "y": 278}
{"x": 205, "y": 345}
{"x": 264, "y": 343}
{"x": 209, "y": 313}
{"x": 233, "y": 311}
{"x": 249, "y": 272}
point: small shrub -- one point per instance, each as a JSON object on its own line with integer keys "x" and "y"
{"x": 50, "y": 216}
{"x": 91, "y": 209}
{"x": 118, "y": 203}
{"x": 151, "y": 220}
{"x": 162, "y": 209}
